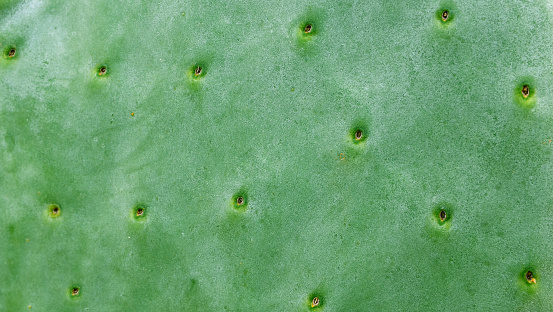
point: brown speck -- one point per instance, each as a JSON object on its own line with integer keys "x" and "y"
{"x": 198, "y": 71}
{"x": 308, "y": 28}
{"x": 102, "y": 71}
{"x": 139, "y": 212}
{"x": 55, "y": 210}
{"x": 75, "y": 291}
{"x": 11, "y": 53}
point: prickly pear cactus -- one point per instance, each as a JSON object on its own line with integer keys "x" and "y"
{"x": 276, "y": 156}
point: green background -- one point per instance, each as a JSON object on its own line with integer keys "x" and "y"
{"x": 272, "y": 118}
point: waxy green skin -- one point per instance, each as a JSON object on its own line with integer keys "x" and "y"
{"x": 272, "y": 117}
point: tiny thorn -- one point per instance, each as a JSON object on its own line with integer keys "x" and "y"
{"x": 358, "y": 135}
{"x": 240, "y": 201}
{"x": 315, "y": 302}
{"x": 443, "y": 215}
{"x": 525, "y": 91}
{"x": 530, "y": 277}
{"x": 445, "y": 15}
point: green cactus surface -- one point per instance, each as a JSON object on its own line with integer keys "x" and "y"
{"x": 276, "y": 155}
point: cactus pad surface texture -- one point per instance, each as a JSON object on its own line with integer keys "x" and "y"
{"x": 276, "y": 156}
